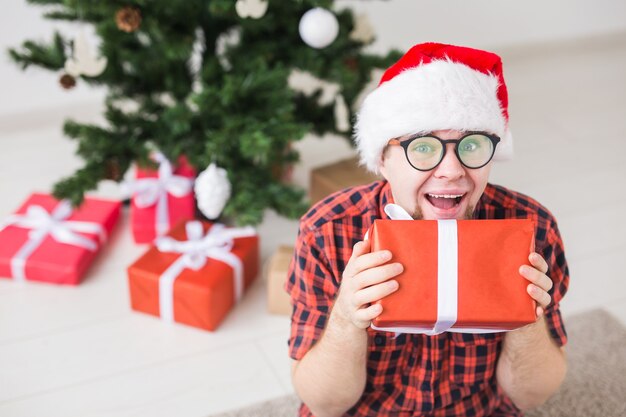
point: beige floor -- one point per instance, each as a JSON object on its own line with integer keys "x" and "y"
{"x": 82, "y": 352}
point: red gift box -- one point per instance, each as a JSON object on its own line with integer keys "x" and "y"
{"x": 191, "y": 277}
{"x": 46, "y": 240}
{"x": 161, "y": 198}
{"x": 462, "y": 273}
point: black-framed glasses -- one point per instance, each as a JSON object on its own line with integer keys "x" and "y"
{"x": 425, "y": 152}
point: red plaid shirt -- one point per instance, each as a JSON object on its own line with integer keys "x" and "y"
{"x": 451, "y": 374}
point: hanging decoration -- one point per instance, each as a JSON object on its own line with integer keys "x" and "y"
{"x": 212, "y": 190}
{"x": 363, "y": 30}
{"x": 225, "y": 41}
{"x": 84, "y": 61}
{"x": 254, "y": 9}
{"x": 308, "y": 84}
{"x": 195, "y": 61}
{"x": 128, "y": 19}
{"x": 67, "y": 81}
{"x": 318, "y": 28}
{"x": 342, "y": 114}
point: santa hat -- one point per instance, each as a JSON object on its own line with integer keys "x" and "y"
{"x": 435, "y": 87}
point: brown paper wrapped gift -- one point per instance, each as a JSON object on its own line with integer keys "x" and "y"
{"x": 278, "y": 301}
{"x": 346, "y": 173}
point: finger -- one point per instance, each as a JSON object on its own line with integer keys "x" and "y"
{"x": 367, "y": 261}
{"x": 366, "y": 315}
{"x": 538, "y": 262}
{"x": 375, "y": 293}
{"x": 539, "y": 295}
{"x": 377, "y": 275}
{"x": 540, "y": 312}
{"x": 536, "y": 277}
{"x": 360, "y": 248}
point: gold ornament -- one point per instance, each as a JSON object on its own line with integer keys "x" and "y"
{"x": 128, "y": 19}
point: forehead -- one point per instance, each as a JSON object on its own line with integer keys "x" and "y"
{"x": 441, "y": 134}
{"x": 448, "y": 134}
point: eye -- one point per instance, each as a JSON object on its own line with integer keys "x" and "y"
{"x": 423, "y": 148}
{"x": 469, "y": 145}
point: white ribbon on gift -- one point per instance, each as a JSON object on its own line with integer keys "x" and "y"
{"x": 216, "y": 244}
{"x": 150, "y": 191}
{"x": 44, "y": 224}
{"x": 447, "y": 280}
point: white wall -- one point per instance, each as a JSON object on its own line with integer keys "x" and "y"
{"x": 490, "y": 24}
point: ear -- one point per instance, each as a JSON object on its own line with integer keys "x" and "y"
{"x": 382, "y": 167}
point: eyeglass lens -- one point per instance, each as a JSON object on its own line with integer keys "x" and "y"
{"x": 426, "y": 152}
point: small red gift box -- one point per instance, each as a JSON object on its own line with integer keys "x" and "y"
{"x": 46, "y": 240}
{"x": 196, "y": 274}
{"x": 161, "y": 198}
{"x": 458, "y": 275}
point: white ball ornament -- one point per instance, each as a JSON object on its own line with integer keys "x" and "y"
{"x": 318, "y": 28}
{"x": 212, "y": 190}
{"x": 254, "y": 9}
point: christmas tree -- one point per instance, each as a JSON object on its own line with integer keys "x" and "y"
{"x": 207, "y": 79}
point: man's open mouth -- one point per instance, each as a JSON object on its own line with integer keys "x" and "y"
{"x": 444, "y": 201}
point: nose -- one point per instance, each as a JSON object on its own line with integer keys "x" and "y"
{"x": 450, "y": 167}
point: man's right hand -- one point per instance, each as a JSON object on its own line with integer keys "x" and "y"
{"x": 366, "y": 279}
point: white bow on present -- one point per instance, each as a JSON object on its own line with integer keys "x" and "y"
{"x": 150, "y": 191}
{"x": 216, "y": 244}
{"x": 43, "y": 224}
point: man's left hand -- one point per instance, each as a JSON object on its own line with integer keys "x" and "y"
{"x": 540, "y": 282}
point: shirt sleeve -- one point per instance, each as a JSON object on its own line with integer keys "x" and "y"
{"x": 558, "y": 271}
{"x": 312, "y": 290}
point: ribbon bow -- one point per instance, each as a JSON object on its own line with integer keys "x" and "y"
{"x": 150, "y": 191}
{"x": 216, "y": 244}
{"x": 43, "y": 224}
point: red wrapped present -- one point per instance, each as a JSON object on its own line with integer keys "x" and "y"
{"x": 196, "y": 274}
{"x": 46, "y": 240}
{"x": 161, "y": 198}
{"x": 459, "y": 276}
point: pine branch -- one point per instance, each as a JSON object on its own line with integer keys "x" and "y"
{"x": 45, "y": 2}
{"x": 74, "y": 187}
{"x": 61, "y": 15}
{"x": 49, "y": 56}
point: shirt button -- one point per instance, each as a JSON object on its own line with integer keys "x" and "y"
{"x": 379, "y": 340}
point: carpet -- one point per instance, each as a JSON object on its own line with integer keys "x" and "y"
{"x": 595, "y": 385}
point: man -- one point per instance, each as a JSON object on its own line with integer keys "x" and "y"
{"x": 431, "y": 129}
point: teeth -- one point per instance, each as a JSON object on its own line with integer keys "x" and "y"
{"x": 446, "y": 195}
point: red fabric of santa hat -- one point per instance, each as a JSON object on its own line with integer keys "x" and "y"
{"x": 435, "y": 87}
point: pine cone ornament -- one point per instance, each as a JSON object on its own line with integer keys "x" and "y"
{"x": 112, "y": 170}
{"x": 67, "y": 81}
{"x": 212, "y": 190}
{"x": 128, "y": 19}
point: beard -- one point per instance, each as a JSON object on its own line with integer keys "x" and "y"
{"x": 468, "y": 215}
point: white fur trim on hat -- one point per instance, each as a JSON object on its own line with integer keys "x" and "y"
{"x": 439, "y": 95}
